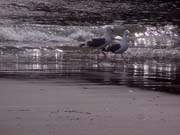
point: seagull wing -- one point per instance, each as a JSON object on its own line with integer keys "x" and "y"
{"x": 114, "y": 47}
{"x": 96, "y": 42}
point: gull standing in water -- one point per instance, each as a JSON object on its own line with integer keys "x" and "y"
{"x": 119, "y": 45}
{"x": 101, "y": 42}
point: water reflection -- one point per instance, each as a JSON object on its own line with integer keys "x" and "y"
{"x": 148, "y": 74}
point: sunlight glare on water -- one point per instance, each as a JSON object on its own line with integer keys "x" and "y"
{"x": 165, "y": 36}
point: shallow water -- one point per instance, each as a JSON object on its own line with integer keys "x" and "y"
{"x": 39, "y": 40}
{"x": 149, "y": 74}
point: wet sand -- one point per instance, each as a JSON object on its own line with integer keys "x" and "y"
{"x": 54, "y": 107}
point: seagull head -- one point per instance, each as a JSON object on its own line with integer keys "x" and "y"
{"x": 109, "y": 29}
{"x": 126, "y": 32}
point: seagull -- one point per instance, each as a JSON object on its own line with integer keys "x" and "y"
{"x": 102, "y": 42}
{"x": 119, "y": 45}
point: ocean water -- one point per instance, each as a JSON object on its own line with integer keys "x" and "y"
{"x": 40, "y": 39}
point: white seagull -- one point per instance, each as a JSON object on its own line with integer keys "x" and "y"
{"x": 119, "y": 45}
{"x": 102, "y": 42}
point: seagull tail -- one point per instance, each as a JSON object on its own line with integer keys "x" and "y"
{"x": 105, "y": 49}
{"x": 82, "y": 45}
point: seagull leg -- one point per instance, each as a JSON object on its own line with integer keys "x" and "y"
{"x": 105, "y": 56}
{"x": 115, "y": 61}
{"x": 97, "y": 55}
{"x": 91, "y": 54}
{"x": 114, "y": 57}
{"x": 94, "y": 53}
{"x": 123, "y": 58}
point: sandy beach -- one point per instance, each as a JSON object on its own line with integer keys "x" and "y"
{"x": 50, "y": 107}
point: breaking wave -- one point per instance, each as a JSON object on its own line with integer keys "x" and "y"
{"x": 143, "y": 36}
{"x": 40, "y": 33}
{"x": 149, "y": 41}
